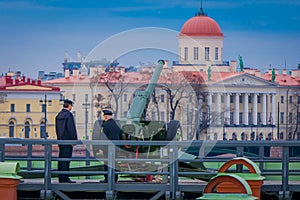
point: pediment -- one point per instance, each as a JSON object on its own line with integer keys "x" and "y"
{"x": 247, "y": 80}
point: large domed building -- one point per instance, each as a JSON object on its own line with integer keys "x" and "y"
{"x": 201, "y": 45}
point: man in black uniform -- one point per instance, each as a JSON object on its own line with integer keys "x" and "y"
{"x": 112, "y": 131}
{"x": 65, "y": 130}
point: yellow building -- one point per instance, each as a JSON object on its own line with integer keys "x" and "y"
{"x": 25, "y": 106}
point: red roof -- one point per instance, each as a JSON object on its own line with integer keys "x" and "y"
{"x": 201, "y": 26}
{"x": 282, "y": 79}
{"x": 190, "y": 76}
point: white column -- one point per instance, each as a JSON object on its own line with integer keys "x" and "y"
{"x": 218, "y": 108}
{"x": 264, "y": 109}
{"x": 246, "y": 109}
{"x": 227, "y": 109}
{"x": 273, "y": 120}
{"x": 209, "y": 103}
{"x": 236, "y": 109}
{"x": 254, "y": 113}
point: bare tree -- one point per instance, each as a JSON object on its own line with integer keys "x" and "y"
{"x": 177, "y": 88}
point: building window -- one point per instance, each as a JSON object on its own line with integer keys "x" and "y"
{"x": 231, "y": 117}
{"x": 162, "y": 116}
{"x": 243, "y": 136}
{"x": 290, "y": 118}
{"x": 153, "y": 117}
{"x": 43, "y": 108}
{"x": 12, "y": 107}
{"x": 215, "y": 136}
{"x": 222, "y": 99}
{"x": 42, "y": 130}
{"x": 162, "y": 98}
{"x": 281, "y": 117}
{"x": 258, "y": 99}
{"x": 186, "y": 53}
{"x": 250, "y": 118}
{"x": 204, "y": 98}
{"x": 206, "y": 56}
{"x": 224, "y": 136}
{"x": 216, "y": 53}
{"x": 291, "y": 99}
{"x": 290, "y": 136}
{"x": 125, "y": 97}
{"x": 231, "y": 99}
{"x": 11, "y": 129}
{"x": 258, "y": 117}
{"x": 249, "y": 100}
{"x": 252, "y": 136}
{"x": 282, "y": 99}
{"x": 196, "y": 51}
{"x": 241, "y": 99}
{"x": 27, "y": 107}
{"x": 27, "y": 129}
{"x": 213, "y": 98}
{"x": 281, "y": 136}
{"x": 241, "y": 117}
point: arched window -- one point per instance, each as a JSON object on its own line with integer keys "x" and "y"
{"x": 243, "y": 136}
{"x": 281, "y": 136}
{"x": 224, "y": 136}
{"x": 215, "y": 136}
{"x": 11, "y": 129}
{"x": 234, "y": 136}
{"x": 42, "y": 129}
{"x": 27, "y": 129}
{"x": 261, "y": 136}
{"x": 252, "y": 136}
{"x": 270, "y": 136}
{"x": 207, "y": 136}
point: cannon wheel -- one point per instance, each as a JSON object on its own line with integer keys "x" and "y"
{"x": 174, "y": 131}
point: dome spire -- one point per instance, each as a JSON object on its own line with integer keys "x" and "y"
{"x": 201, "y": 12}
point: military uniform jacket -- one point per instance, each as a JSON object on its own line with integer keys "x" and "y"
{"x": 112, "y": 130}
{"x": 65, "y": 126}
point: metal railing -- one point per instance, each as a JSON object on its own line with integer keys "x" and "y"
{"x": 171, "y": 187}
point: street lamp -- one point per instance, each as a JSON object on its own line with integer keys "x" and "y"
{"x": 86, "y": 106}
{"x": 44, "y": 110}
{"x": 287, "y": 114}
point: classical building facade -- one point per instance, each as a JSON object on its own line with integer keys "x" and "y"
{"x": 26, "y": 107}
{"x": 210, "y": 97}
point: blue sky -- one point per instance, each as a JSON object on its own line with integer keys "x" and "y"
{"x": 35, "y": 34}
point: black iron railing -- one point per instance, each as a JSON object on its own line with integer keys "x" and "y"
{"x": 169, "y": 158}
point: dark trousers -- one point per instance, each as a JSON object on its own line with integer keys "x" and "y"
{"x": 65, "y": 151}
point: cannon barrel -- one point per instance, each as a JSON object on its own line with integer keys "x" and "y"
{"x": 142, "y": 98}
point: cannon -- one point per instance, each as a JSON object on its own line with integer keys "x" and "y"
{"x": 135, "y": 127}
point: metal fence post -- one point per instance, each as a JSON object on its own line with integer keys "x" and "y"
{"x": 284, "y": 194}
{"x": 47, "y": 193}
{"x": 174, "y": 172}
{"x": 2, "y": 152}
{"x": 29, "y": 156}
{"x": 110, "y": 193}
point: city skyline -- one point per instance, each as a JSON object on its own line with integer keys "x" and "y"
{"x": 36, "y": 34}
